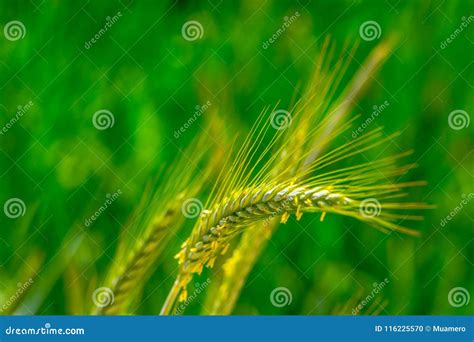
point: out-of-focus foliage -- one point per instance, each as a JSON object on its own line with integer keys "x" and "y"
{"x": 144, "y": 71}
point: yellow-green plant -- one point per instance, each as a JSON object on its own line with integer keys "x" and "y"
{"x": 155, "y": 223}
{"x": 318, "y": 104}
{"x": 250, "y": 192}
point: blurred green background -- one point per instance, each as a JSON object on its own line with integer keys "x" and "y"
{"x": 144, "y": 72}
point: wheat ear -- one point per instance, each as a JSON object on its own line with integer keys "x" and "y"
{"x": 237, "y": 268}
{"x": 219, "y": 225}
{"x": 152, "y": 227}
{"x": 242, "y": 197}
{"x": 340, "y": 191}
{"x": 147, "y": 250}
{"x": 224, "y": 221}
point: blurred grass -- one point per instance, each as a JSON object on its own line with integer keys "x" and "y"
{"x": 151, "y": 79}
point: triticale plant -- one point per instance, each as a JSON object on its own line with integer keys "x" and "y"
{"x": 320, "y": 91}
{"x": 157, "y": 220}
{"x": 246, "y": 197}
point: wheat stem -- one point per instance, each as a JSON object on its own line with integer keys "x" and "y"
{"x": 171, "y": 298}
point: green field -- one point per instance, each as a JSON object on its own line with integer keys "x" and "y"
{"x": 99, "y": 100}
